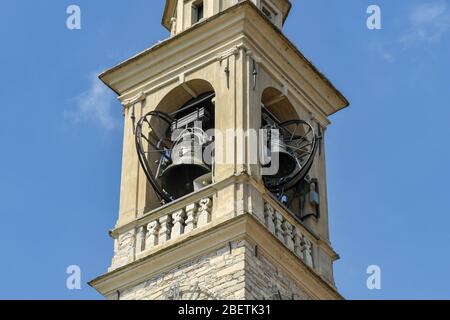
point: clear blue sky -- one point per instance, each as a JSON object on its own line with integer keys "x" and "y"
{"x": 388, "y": 154}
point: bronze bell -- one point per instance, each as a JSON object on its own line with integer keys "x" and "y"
{"x": 187, "y": 165}
{"x": 287, "y": 162}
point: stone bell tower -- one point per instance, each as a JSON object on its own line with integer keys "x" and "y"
{"x": 192, "y": 229}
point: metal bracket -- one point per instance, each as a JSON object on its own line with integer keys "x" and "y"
{"x": 227, "y": 72}
{"x": 133, "y": 119}
{"x": 320, "y": 137}
{"x": 226, "y": 55}
{"x": 254, "y": 74}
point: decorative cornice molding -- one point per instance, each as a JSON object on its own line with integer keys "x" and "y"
{"x": 228, "y": 53}
{"x": 140, "y": 97}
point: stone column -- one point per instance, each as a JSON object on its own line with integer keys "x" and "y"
{"x": 298, "y": 245}
{"x": 140, "y": 239}
{"x": 178, "y": 223}
{"x": 307, "y": 252}
{"x": 288, "y": 235}
{"x": 269, "y": 215}
{"x": 278, "y": 226}
{"x": 191, "y": 217}
{"x": 164, "y": 229}
{"x": 152, "y": 235}
{"x": 204, "y": 216}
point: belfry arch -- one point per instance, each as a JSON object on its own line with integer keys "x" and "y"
{"x": 177, "y": 104}
{"x": 278, "y": 104}
{"x": 182, "y": 94}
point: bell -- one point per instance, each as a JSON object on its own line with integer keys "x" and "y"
{"x": 287, "y": 162}
{"x": 187, "y": 165}
{"x": 202, "y": 181}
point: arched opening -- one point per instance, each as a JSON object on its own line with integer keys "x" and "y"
{"x": 278, "y": 105}
{"x": 171, "y": 140}
{"x": 180, "y": 95}
{"x": 296, "y": 144}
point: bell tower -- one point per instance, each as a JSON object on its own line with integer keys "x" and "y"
{"x": 223, "y": 190}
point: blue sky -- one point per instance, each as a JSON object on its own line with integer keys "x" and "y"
{"x": 387, "y": 154}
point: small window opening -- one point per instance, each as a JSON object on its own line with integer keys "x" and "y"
{"x": 267, "y": 12}
{"x": 198, "y": 11}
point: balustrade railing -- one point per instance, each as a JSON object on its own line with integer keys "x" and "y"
{"x": 149, "y": 235}
{"x": 289, "y": 233}
{"x": 157, "y": 228}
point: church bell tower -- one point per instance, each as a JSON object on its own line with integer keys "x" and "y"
{"x": 223, "y": 192}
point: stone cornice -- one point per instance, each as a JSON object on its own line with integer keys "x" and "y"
{"x": 243, "y": 227}
{"x": 200, "y": 31}
{"x": 135, "y": 99}
{"x": 207, "y": 192}
{"x": 211, "y": 190}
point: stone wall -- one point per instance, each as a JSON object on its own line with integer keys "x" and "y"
{"x": 264, "y": 281}
{"x": 218, "y": 275}
{"x": 225, "y": 274}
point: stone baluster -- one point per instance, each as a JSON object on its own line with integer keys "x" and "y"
{"x": 298, "y": 243}
{"x": 279, "y": 226}
{"x": 178, "y": 223}
{"x": 307, "y": 252}
{"x": 287, "y": 226}
{"x": 152, "y": 234}
{"x": 289, "y": 235}
{"x": 269, "y": 216}
{"x": 204, "y": 215}
{"x": 191, "y": 218}
{"x": 164, "y": 229}
{"x": 140, "y": 239}
{"x": 126, "y": 248}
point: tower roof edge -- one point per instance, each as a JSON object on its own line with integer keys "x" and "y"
{"x": 340, "y": 101}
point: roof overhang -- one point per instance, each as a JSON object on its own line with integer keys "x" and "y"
{"x": 285, "y": 6}
{"x": 169, "y": 10}
{"x": 112, "y": 77}
{"x": 171, "y": 5}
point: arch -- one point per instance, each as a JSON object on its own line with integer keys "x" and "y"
{"x": 158, "y": 127}
{"x": 278, "y": 104}
{"x": 180, "y": 95}
{"x": 177, "y": 98}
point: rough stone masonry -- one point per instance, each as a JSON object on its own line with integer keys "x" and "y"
{"x": 232, "y": 272}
